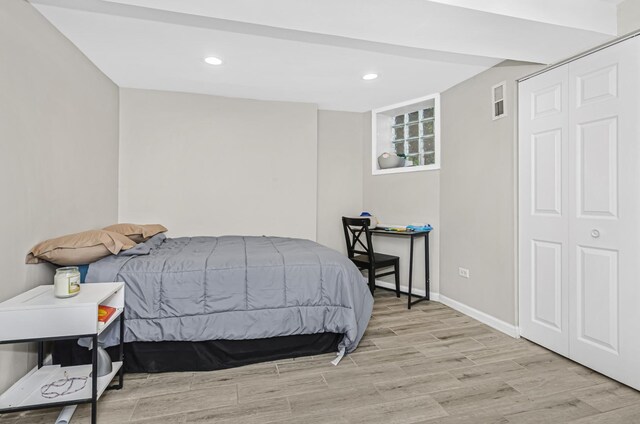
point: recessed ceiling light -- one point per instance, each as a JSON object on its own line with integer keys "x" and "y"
{"x": 212, "y": 60}
{"x": 369, "y": 77}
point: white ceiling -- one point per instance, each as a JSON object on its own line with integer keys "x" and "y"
{"x": 316, "y": 51}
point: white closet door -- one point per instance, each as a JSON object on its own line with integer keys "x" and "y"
{"x": 543, "y": 235}
{"x": 604, "y": 237}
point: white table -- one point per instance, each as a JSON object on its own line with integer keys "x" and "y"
{"x": 38, "y": 316}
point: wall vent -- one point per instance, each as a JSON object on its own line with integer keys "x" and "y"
{"x": 498, "y": 96}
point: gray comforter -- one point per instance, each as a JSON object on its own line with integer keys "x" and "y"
{"x": 210, "y": 288}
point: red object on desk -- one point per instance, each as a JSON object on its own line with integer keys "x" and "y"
{"x": 105, "y": 312}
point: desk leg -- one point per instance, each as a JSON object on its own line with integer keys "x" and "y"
{"x": 94, "y": 380}
{"x": 40, "y": 354}
{"x": 410, "y": 271}
{"x": 426, "y": 268}
{"x": 426, "y": 271}
{"x": 120, "y": 384}
{"x": 121, "y": 372}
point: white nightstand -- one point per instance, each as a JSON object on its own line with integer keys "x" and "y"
{"x": 39, "y": 316}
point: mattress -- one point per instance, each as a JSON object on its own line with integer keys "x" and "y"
{"x": 236, "y": 288}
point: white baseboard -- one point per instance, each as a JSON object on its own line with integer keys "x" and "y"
{"x": 491, "y": 321}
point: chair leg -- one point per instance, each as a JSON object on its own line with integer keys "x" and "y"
{"x": 372, "y": 279}
{"x": 396, "y": 270}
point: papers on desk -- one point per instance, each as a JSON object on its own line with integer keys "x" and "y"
{"x": 403, "y": 228}
{"x": 391, "y": 227}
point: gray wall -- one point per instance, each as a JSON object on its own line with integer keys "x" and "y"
{"x": 340, "y": 146}
{"x": 58, "y": 151}
{"x": 401, "y": 199}
{"x": 628, "y": 16}
{"x": 477, "y": 194}
{"x": 208, "y": 165}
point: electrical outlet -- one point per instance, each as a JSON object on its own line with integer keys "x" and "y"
{"x": 463, "y": 272}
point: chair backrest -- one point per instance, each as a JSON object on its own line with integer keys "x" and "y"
{"x": 354, "y": 230}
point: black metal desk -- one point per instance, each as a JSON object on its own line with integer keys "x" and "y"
{"x": 412, "y": 235}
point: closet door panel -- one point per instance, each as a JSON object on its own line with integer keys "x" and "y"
{"x": 597, "y": 168}
{"x": 546, "y": 173}
{"x": 597, "y": 285}
{"x": 604, "y": 237}
{"x": 543, "y": 223}
{"x": 546, "y": 285}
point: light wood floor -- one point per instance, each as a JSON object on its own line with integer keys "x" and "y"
{"x": 428, "y": 365}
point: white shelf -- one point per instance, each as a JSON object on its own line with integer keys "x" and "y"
{"x": 38, "y": 314}
{"x": 42, "y": 296}
{"x": 113, "y": 317}
{"x": 26, "y": 392}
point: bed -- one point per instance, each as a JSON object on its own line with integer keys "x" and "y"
{"x": 204, "y": 303}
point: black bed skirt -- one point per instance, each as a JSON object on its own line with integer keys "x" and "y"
{"x": 212, "y": 355}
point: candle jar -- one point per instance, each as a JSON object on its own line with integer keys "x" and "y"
{"x": 66, "y": 282}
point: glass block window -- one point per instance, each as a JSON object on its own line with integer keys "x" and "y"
{"x": 405, "y": 137}
{"x": 413, "y": 136}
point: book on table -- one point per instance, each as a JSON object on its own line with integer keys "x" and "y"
{"x": 105, "y": 313}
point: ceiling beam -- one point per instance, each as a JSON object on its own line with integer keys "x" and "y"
{"x": 507, "y": 29}
{"x": 589, "y": 15}
{"x": 212, "y": 23}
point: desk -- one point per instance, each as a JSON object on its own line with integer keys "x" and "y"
{"x": 411, "y": 235}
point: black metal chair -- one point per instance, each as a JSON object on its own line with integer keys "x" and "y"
{"x": 362, "y": 254}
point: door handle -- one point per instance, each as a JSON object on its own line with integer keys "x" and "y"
{"x": 595, "y": 233}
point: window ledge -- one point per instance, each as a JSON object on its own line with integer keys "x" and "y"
{"x": 404, "y": 169}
